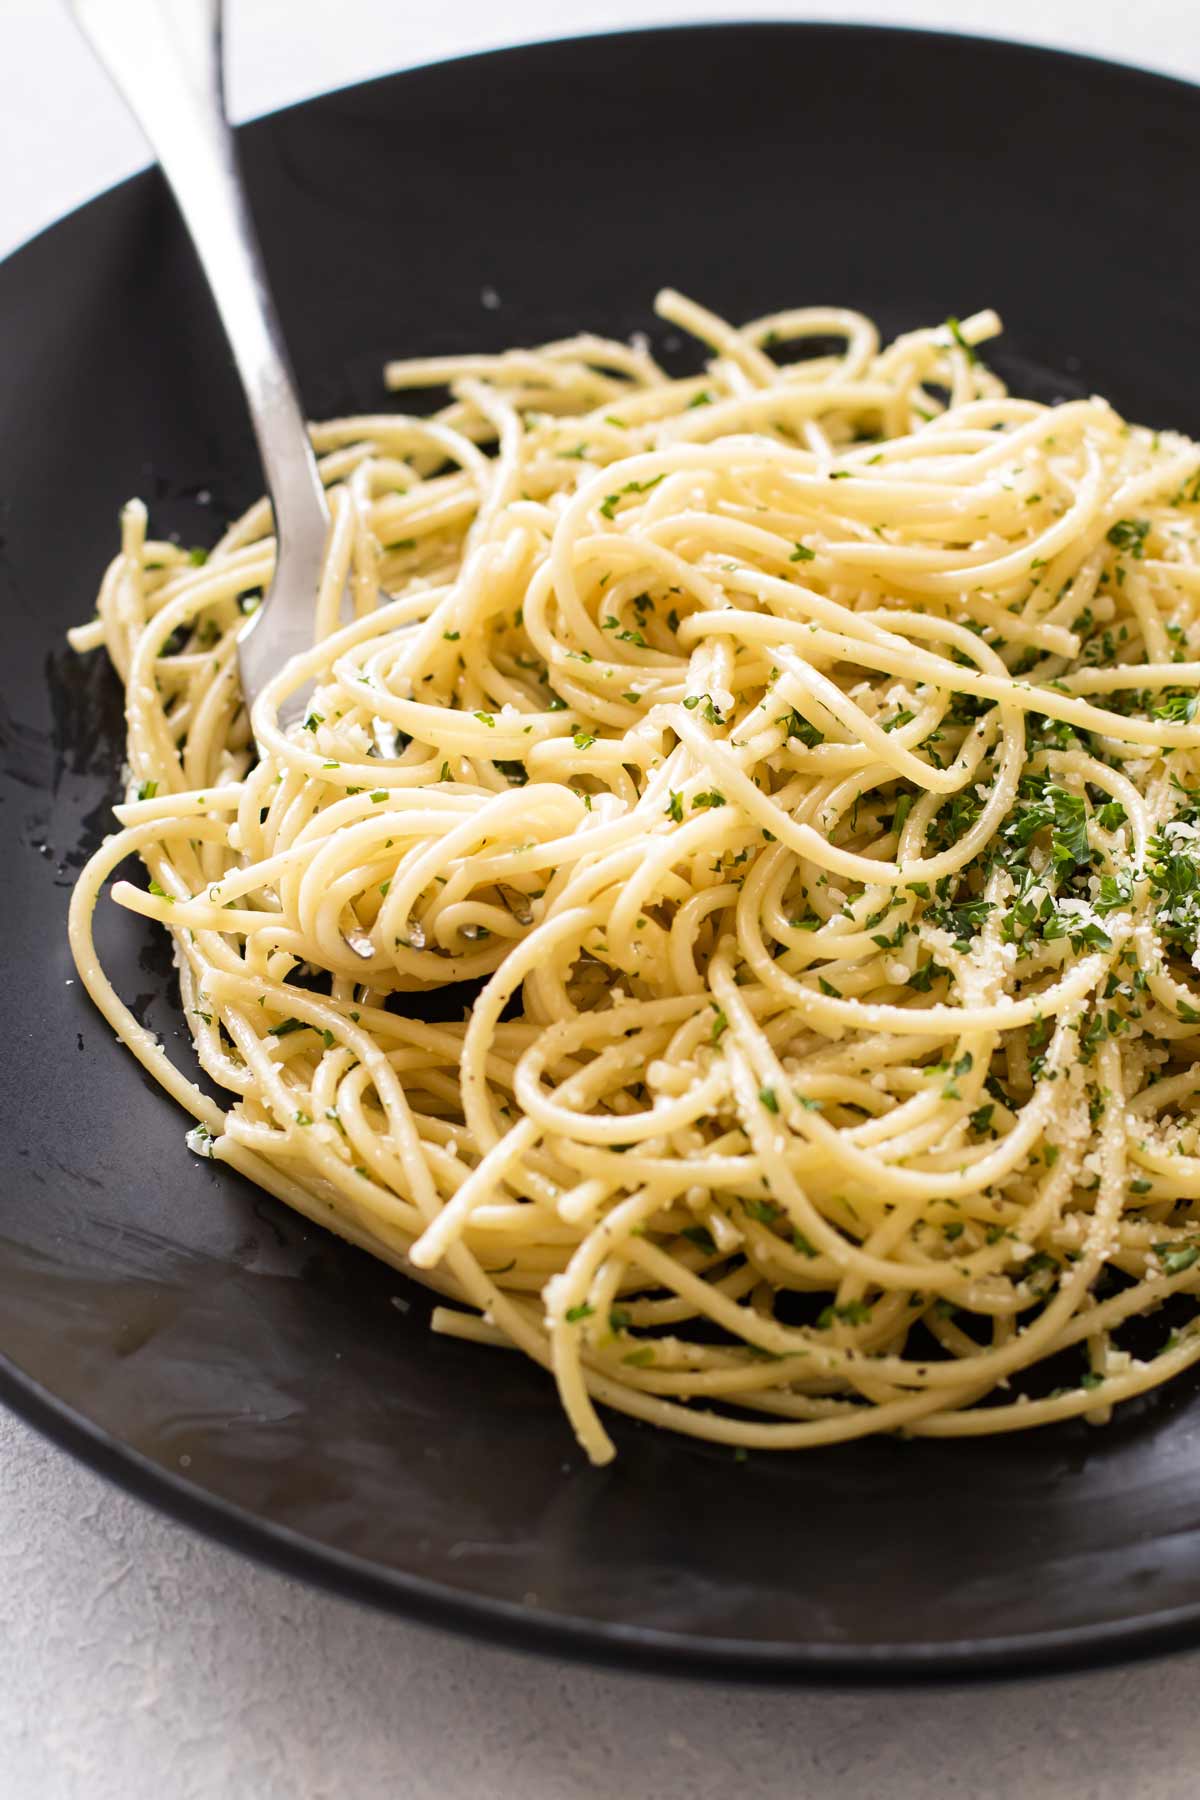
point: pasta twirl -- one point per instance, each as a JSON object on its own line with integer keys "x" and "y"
{"x": 801, "y": 761}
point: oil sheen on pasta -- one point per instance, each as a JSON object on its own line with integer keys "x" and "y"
{"x": 803, "y": 755}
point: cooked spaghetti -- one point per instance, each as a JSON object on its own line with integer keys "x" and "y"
{"x": 801, "y": 760}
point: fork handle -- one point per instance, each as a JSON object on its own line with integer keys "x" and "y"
{"x": 165, "y": 59}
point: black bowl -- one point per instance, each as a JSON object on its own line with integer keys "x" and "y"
{"x": 182, "y": 1331}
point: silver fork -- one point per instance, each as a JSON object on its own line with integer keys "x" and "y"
{"x": 165, "y": 59}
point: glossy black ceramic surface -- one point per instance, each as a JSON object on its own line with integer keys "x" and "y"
{"x": 188, "y": 1335}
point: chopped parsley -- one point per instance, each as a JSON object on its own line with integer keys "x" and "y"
{"x": 955, "y": 329}
{"x": 795, "y": 725}
{"x": 708, "y": 710}
{"x": 701, "y": 1237}
{"x": 1175, "y": 1258}
{"x": 609, "y": 506}
{"x": 854, "y": 1312}
{"x": 1130, "y": 536}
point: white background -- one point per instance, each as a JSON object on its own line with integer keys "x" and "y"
{"x": 138, "y": 1662}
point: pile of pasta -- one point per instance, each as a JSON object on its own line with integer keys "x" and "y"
{"x": 799, "y": 761}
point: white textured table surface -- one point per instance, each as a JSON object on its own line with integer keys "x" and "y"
{"x": 139, "y": 1661}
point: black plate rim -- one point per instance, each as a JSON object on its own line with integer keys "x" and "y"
{"x": 628, "y": 1647}
{"x": 623, "y": 1647}
{"x": 875, "y": 30}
